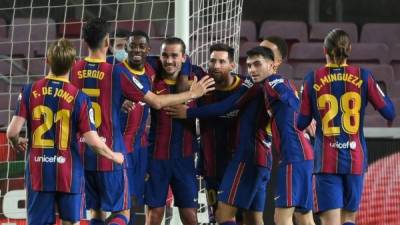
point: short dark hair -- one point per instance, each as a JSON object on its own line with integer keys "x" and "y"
{"x": 119, "y": 33}
{"x": 261, "y": 51}
{"x": 140, "y": 33}
{"x": 94, "y": 32}
{"x": 224, "y": 48}
{"x": 61, "y": 56}
{"x": 280, "y": 44}
{"x": 174, "y": 41}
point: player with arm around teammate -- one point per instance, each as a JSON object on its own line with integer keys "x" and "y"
{"x": 107, "y": 186}
{"x": 294, "y": 181}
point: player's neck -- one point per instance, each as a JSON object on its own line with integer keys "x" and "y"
{"x": 61, "y": 77}
{"x": 225, "y": 83}
{"x": 329, "y": 61}
{"x": 135, "y": 66}
{"x": 97, "y": 54}
{"x": 172, "y": 76}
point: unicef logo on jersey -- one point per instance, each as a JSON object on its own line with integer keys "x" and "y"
{"x": 50, "y": 159}
{"x": 343, "y": 145}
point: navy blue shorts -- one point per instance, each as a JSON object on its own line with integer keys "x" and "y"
{"x": 294, "y": 186}
{"x": 180, "y": 174}
{"x": 41, "y": 207}
{"x": 108, "y": 191}
{"x": 244, "y": 186}
{"x": 136, "y": 174}
{"x": 337, "y": 191}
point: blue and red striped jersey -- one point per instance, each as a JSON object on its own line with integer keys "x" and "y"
{"x": 170, "y": 138}
{"x": 106, "y": 86}
{"x": 133, "y": 123}
{"x": 56, "y": 111}
{"x": 218, "y": 134}
{"x": 283, "y": 106}
{"x": 336, "y": 97}
{"x": 251, "y": 123}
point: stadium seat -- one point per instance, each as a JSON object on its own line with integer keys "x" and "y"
{"x": 37, "y": 66}
{"x": 383, "y": 73}
{"x": 288, "y": 30}
{"x": 4, "y": 67}
{"x": 3, "y": 29}
{"x": 5, "y": 47}
{"x": 7, "y": 99}
{"x": 71, "y": 29}
{"x": 374, "y": 53}
{"x": 395, "y": 60}
{"x": 245, "y": 46}
{"x": 37, "y": 31}
{"x": 4, "y": 120}
{"x": 81, "y": 48}
{"x": 318, "y": 31}
{"x": 18, "y": 67}
{"x": 286, "y": 70}
{"x": 388, "y": 33}
{"x": 307, "y": 52}
{"x": 143, "y": 25}
{"x": 395, "y": 91}
{"x": 302, "y": 69}
{"x": 162, "y": 29}
{"x": 248, "y": 31}
{"x": 155, "y": 46}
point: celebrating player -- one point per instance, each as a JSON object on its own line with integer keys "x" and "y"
{"x": 171, "y": 145}
{"x": 294, "y": 180}
{"x": 118, "y": 42}
{"x": 106, "y": 183}
{"x": 336, "y": 96}
{"x": 244, "y": 182}
{"x": 55, "y": 111}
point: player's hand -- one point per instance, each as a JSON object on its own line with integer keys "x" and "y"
{"x": 389, "y": 123}
{"x": 177, "y": 111}
{"x": 311, "y": 128}
{"x": 201, "y": 87}
{"x": 20, "y": 144}
{"x": 127, "y": 106}
{"x": 118, "y": 157}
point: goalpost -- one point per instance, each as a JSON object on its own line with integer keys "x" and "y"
{"x": 27, "y": 27}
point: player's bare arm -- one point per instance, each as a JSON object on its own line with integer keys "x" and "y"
{"x": 17, "y": 143}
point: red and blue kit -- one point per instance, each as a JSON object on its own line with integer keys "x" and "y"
{"x": 55, "y": 112}
{"x": 336, "y": 97}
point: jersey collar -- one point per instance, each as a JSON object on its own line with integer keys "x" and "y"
{"x": 133, "y": 71}
{"x": 335, "y": 65}
{"x": 94, "y": 60}
{"x": 170, "y": 81}
{"x": 54, "y": 77}
{"x": 234, "y": 84}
